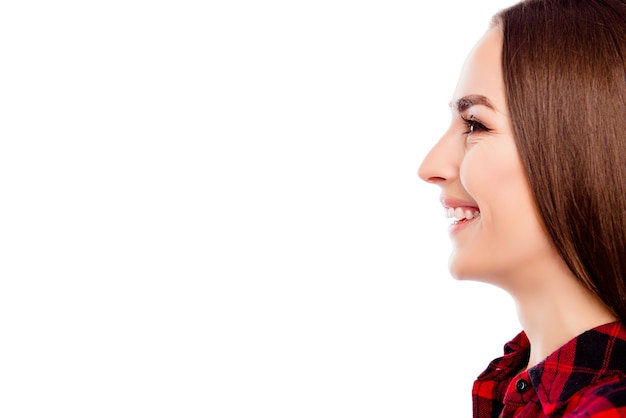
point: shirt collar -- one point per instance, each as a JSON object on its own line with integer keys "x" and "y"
{"x": 594, "y": 354}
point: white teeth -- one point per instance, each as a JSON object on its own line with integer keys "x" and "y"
{"x": 461, "y": 214}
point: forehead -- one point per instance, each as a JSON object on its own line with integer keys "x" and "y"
{"x": 482, "y": 71}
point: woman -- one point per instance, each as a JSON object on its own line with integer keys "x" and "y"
{"x": 533, "y": 169}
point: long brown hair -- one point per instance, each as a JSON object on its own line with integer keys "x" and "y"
{"x": 564, "y": 64}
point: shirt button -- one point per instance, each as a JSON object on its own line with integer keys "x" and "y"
{"x": 521, "y": 386}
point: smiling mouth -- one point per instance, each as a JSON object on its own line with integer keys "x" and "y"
{"x": 462, "y": 214}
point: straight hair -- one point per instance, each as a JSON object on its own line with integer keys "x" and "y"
{"x": 564, "y": 66}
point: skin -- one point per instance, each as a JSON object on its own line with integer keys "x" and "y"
{"x": 506, "y": 245}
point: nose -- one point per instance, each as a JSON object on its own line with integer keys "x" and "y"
{"x": 441, "y": 164}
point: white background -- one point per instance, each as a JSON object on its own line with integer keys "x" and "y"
{"x": 211, "y": 209}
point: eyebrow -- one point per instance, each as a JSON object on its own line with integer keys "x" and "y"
{"x": 466, "y": 102}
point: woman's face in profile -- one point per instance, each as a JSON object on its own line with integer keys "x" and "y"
{"x": 496, "y": 231}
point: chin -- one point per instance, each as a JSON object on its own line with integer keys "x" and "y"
{"x": 457, "y": 268}
{"x": 463, "y": 269}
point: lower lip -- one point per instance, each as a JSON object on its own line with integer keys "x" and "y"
{"x": 459, "y": 226}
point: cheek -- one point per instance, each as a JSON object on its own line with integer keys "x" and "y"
{"x": 494, "y": 176}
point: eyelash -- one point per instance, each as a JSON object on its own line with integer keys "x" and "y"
{"x": 474, "y": 126}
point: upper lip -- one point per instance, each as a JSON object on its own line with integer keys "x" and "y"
{"x": 454, "y": 202}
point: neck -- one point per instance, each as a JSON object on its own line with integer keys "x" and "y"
{"x": 557, "y": 309}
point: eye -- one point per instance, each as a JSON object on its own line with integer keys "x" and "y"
{"x": 474, "y": 126}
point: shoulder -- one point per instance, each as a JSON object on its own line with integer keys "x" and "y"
{"x": 605, "y": 399}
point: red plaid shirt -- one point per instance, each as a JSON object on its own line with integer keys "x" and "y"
{"x": 584, "y": 378}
